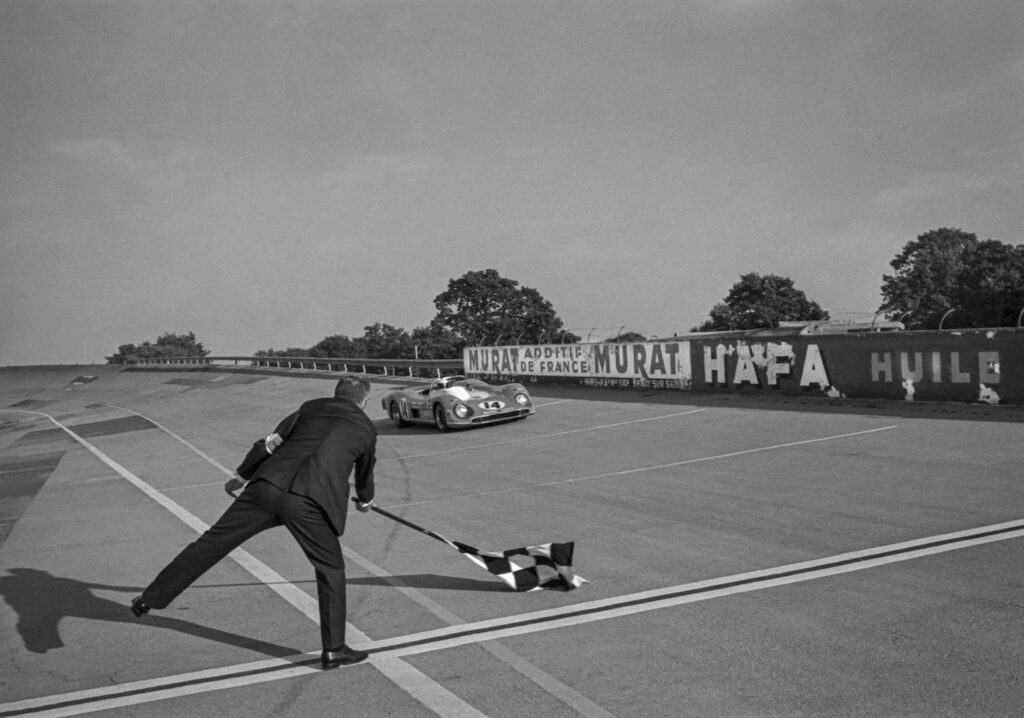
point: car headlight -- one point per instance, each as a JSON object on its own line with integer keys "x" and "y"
{"x": 522, "y": 399}
{"x": 460, "y": 410}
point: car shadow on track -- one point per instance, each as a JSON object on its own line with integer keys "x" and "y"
{"x": 385, "y": 427}
{"x": 41, "y": 600}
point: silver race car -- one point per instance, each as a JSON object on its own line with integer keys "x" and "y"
{"x": 456, "y": 401}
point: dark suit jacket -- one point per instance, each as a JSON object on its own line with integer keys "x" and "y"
{"x": 323, "y": 441}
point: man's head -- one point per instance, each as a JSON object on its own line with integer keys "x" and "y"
{"x": 353, "y": 388}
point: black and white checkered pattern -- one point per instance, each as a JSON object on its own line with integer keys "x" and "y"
{"x": 529, "y": 568}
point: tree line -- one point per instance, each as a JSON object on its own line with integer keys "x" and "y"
{"x": 945, "y": 278}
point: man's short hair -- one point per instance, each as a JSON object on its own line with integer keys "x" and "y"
{"x": 351, "y": 387}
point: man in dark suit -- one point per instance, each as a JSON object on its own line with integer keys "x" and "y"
{"x": 303, "y": 485}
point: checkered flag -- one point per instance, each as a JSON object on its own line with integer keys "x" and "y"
{"x": 529, "y": 568}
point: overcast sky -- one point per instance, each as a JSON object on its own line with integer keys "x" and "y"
{"x": 266, "y": 174}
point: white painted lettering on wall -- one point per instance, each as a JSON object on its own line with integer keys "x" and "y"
{"x": 935, "y": 366}
{"x": 640, "y": 361}
{"x": 647, "y": 360}
{"x": 774, "y": 360}
{"x": 764, "y": 365}
{"x": 814, "y": 369}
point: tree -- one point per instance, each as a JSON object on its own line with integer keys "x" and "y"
{"x": 927, "y": 273}
{"x": 336, "y": 345}
{"x": 484, "y": 308}
{"x": 758, "y": 302}
{"x": 989, "y": 290}
{"x": 383, "y": 341}
{"x": 436, "y": 342}
{"x": 289, "y": 352}
{"x": 166, "y": 346}
{"x": 379, "y": 341}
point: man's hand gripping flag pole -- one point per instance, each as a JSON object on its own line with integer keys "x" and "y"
{"x": 529, "y": 568}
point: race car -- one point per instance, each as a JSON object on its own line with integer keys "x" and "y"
{"x": 457, "y": 401}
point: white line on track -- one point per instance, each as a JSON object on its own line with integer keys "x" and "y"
{"x": 729, "y": 455}
{"x": 576, "y": 700}
{"x": 424, "y": 689}
{"x": 397, "y": 669}
{"x": 456, "y": 450}
{"x": 631, "y": 604}
{"x": 431, "y": 694}
{"x": 174, "y": 436}
{"x": 541, "y": 437}
{"x": 388, "y": 651}
{"x": 623, "y": 472}
{"x": 569, "y": 696}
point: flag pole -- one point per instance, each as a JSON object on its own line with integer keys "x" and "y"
{"x": 410, "y": 524}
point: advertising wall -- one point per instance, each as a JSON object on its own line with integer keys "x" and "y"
{"x": 662, "y": 365}
{"x": 960, "y": 365}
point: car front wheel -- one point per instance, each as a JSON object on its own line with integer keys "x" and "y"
{"x": 396, "y": 416}
{"x": 440, "y": 420}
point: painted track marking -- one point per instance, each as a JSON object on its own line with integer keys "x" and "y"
{"x": 381, "y": 460}
{"x": 539, "y": 438}
{"x": 431, "y": 694}
{"x": 161, "y": 427}
{"x": 573, "y": 698}
{"x": 389, "y": 650}
{"x": 623, "y": 472}
{"x": 424, "y": 689}
{"x": 729, "y": 455}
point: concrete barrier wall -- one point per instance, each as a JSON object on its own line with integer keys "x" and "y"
{"x": 958, "y": 365}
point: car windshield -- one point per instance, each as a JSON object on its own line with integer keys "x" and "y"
{"x": 447, "y": 382}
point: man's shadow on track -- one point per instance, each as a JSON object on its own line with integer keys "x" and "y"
{"x": 41, "y": 600}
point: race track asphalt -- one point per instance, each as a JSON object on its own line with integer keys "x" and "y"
{"x": 746, "y": 556}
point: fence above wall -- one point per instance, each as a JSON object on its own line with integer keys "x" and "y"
{"x": 354, "y": 365}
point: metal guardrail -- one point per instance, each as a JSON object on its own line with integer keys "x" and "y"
{"x": 356, "y": 365}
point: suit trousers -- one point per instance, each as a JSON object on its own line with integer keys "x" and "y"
{"x": 261, "y": 506}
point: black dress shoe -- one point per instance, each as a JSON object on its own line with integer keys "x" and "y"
{"x": 343, "y": 656}
{"x": 139, "y": 607}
